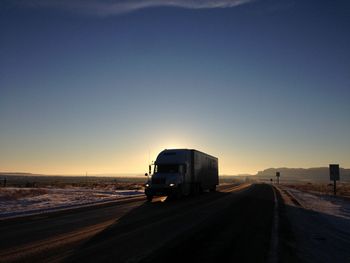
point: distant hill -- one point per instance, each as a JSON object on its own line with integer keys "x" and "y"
{"x": 17, "y": 174}
{"x": 313, "y": 174}
{"x": 124, "y": 175}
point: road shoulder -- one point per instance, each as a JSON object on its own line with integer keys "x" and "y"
{"x": 314, "y": 236}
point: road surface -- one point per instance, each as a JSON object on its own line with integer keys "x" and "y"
{"x": 234, "y": 223}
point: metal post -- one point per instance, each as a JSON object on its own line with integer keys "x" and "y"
{"x": 278, "y": 177}
{"x": 334, "y": 175}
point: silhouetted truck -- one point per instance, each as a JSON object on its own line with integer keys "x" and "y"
{"x": 180, "y": 172}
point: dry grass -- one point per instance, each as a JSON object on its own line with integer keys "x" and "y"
{"x": 129, "y": 186}
{"x": 8, "y": 194}
{"x": 110, "y": 186}
{"x": 90, "y": 182}
{"x": 343, "y": 189}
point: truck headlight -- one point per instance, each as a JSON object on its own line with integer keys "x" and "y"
{"x": 171, "y": 185}
{"x": 147, "y": 185}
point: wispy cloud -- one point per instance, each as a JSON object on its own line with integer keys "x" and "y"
{"x": 114, "y": 7}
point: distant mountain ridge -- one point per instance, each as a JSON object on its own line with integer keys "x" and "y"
{"x": 15, "y": 173}
{"x": 303, "y": 174}
{"x": 24, "y": 174}
{"x": 317, "y": 173}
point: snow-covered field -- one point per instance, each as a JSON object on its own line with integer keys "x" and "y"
{"x": 327, "y": 204}
{"x": 26, "y": 201}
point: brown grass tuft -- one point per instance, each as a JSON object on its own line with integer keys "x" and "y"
{"x": 8, "y": 194}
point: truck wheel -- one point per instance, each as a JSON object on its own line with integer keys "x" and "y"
{"x": 200, "y": 189}
{"x": 179, "y": 192}
{"x": 149, "y": 198}
{"x": 196, "y": 189}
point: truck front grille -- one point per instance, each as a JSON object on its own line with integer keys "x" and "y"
{"x": 158, "y": 180}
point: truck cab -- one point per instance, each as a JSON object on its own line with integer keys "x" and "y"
{"x": 174, "y": 174}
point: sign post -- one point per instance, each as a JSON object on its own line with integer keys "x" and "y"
{"x": 278, "y": 177}
{"x": 334, "y": 176}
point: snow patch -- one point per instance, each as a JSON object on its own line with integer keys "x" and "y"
{"x": 26, "y": 201}
{"x": 326, "y": 204}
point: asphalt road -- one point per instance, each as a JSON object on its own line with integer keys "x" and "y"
{"x": 232, "y": 224}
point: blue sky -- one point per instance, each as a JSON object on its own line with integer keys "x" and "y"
{"x": 103, "y": 85}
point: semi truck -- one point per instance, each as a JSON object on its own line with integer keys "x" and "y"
{"x": 182, "y": 172}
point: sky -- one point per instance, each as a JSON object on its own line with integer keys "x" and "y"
{"x": 104, "y": 86}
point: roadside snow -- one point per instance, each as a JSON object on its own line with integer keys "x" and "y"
{"x": 26, "y": 201}
{"x": 326, "y": 204}
{"x": 321, "y": 227}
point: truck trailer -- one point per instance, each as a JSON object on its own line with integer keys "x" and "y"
{"x": 181, "y": 172}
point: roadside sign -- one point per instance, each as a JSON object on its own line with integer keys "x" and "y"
{"x": 334, "y": 172}
{"x": 278, "y": 177}
{"x": 334, "y": 176}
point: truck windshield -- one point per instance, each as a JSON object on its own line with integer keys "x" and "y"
{"x": 167, "y": 168}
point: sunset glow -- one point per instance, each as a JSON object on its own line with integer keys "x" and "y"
{"x": 104, "y": 89}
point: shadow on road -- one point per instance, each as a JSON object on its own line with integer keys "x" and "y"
{"x": 238, "y": 233}
{"x": 138, "y": 231}
{"x": 207, "y": 228}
